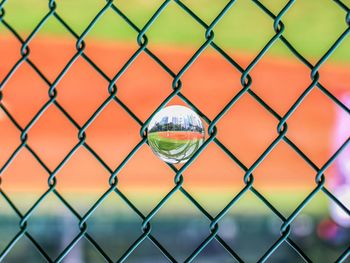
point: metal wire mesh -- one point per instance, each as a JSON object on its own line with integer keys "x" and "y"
{"x": 246, "y": 81}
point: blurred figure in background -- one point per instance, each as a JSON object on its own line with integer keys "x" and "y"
{"x": 334, "y": 230}
{"x": 341, "y": 184}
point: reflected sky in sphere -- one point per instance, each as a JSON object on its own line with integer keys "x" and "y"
{"x": 175, "y": 133}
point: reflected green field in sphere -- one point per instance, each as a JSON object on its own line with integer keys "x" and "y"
{"x": 175, "y": 133}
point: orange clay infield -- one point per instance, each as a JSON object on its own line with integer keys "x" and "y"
{"x": 247, "y": 129}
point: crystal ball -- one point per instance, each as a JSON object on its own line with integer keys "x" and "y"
{"x": 175, "y": 133}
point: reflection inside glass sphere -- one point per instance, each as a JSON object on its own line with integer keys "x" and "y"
{"x": 175, "y": 133}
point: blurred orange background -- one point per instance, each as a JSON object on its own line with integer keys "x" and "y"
{"x": 246, "y": 130}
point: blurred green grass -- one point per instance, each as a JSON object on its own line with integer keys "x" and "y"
{"x": 167, "y": 144}
{"x": 311, "y": 26}
{"x": 146, "y": 199}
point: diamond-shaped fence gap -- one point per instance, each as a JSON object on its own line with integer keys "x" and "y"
{"x": 113, "y": 134}
{"x": 284, "y": 168}
{"x": 148, "y": 252}
{"x": 144, "y": 85}
{"x": 80, "y": 174}
{"x": 58, "y": 221}
{"x": 10, "y": 48}
{"x": 239, "y": 26}
{"x": 114, "y": 226}
{"x": 247, "y": 129}
{"x": 214, "y": 252}
{"x": 71, "y": 12}
{"x": 326, "y": 240}
{"x": 52, "y": 137}
{"x": 253, "y": 232}
{"x": 24, "y": 190}
{"x": 106, "y": 45}
{"x": 20, "y": 8}
{"x": 22, "y": 251}
{"x": 51, "y": 61}
{"x": 174, "y": 27}
{"x": 9, "y": 138}
{"x": 146, "y": 187}
{"x": 24, "y": 100}
{"x": 208, "y": 74}
{"x": 180, "y": 227}
{"x": 311, "y": 128}
{"x": 109, "y": 56}
{"x": 271, "y": 74}
{"x": 213, "y": 179}
{"x": 81, "y": 91}
{"x": 323, "y": 18}
{"x": 8, "y": 223}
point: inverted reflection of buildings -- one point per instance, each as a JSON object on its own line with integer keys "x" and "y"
{"x": 174, "y": 120}
{"x": 164, "y": 120}
{"x": 188, "y": 123}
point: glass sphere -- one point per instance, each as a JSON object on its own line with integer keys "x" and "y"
{"x": 175, "y": 133}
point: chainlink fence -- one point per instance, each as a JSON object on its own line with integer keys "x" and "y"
{"x": 246, "y": 81}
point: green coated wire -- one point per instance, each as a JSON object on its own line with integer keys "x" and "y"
{"x": 246, "y": 82}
